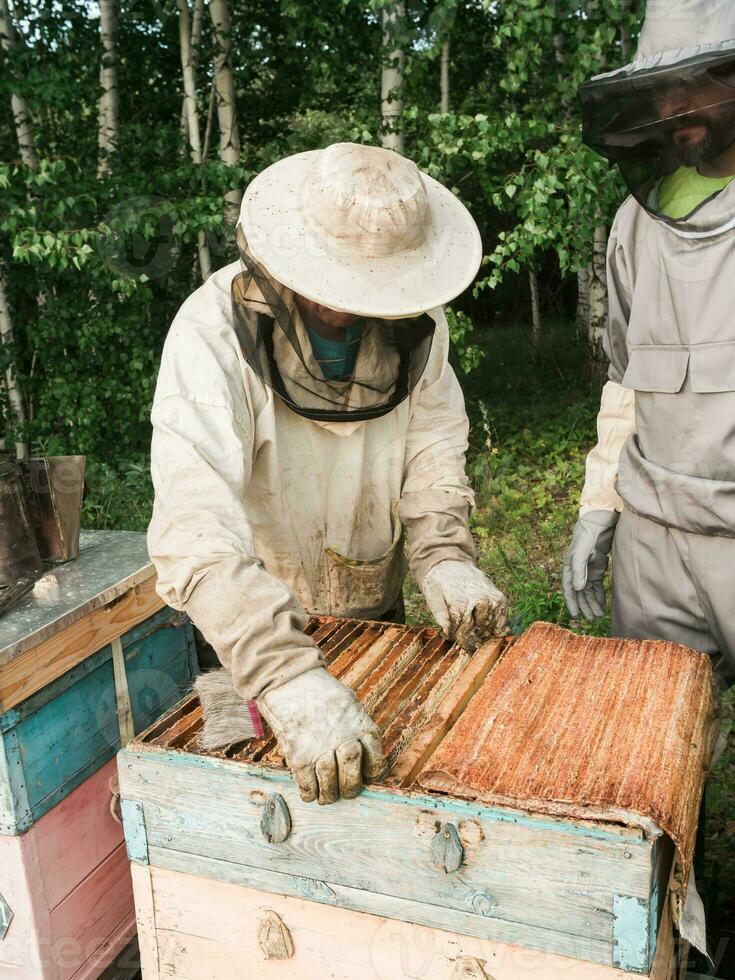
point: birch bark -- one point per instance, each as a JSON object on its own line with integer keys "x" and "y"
{"x": 444, "y": 82}
{"x": 18, "y": 104}
{"x": 29, "y": 157}
{"x": 598, "y": 307}
{"x": 229, "y": 134}
{"x": 391, "y": 77}
{"x": 192, "y": 117}
{"x": 108, "y": 134}
{"x": 15, "y": 399}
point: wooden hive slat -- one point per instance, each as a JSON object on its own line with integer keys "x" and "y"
{"x": 400, "y": 673}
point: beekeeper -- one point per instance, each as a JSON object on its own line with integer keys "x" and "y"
{"x": 660, "y": 487}
{"x": 305, "y": 419}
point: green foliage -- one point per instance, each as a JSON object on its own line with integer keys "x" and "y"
{"x": 461, "y": 327}
{"x": 97, "y": 267}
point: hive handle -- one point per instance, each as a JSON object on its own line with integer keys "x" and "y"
{"x": 274, "y": 937}
{"x": 275, "y": 824}
{"x": 447, "y": 852}
{"x": 470, "y": 968}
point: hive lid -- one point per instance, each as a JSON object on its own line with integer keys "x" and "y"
{"x": 581, "y": 727}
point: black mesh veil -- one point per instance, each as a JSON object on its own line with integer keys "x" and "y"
{"x": 632, "y": 118}
{"x": 275, "y": 343}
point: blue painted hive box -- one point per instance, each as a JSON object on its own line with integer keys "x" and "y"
{"x": 594, "y": 890}
{"x": 88, "y": 659}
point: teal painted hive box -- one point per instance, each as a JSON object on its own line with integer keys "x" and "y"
{"x": 88, "y": 659}
{"x": 593, "y": 892}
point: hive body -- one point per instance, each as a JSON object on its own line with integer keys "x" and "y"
{"x": 584, "y": 895}
{"x": 87, "y": 660}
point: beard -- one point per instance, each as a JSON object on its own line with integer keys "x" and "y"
{"x": 719, "y": 125}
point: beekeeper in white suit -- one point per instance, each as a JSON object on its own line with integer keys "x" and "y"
{"x": 661, "y": 480}
{"x": 305, "y": 417}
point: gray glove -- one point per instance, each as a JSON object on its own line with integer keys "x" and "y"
{"x": 330, "y": 743}
{"x": 465, "y": 603}
{"x": 586, "y": 562}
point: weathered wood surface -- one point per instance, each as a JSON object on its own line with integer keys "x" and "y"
{"x": 67, "y": 881}
{"x": 192, "y": 927}
{"x": 76, "y": 836}
{"x": 578, "y": 725}
{"x": 541, "y": 883}
{"x": 35, "y": 668}
{"x": 58, "y": 737}
{"x": 110, "y": 563}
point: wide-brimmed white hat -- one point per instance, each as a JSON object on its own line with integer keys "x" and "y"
{"x": 361, "y": 230}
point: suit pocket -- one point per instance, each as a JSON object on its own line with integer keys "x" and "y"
{"x": 366, "y": 588}
{"x": 657, "y": 368}
{"x": 713, "y": 367}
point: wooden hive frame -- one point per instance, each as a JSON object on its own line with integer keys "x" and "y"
{"x": 413, "y": 683}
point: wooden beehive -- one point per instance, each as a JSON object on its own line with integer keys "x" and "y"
{"x": 86, "y": 660}
{"x": 481, "y": 878}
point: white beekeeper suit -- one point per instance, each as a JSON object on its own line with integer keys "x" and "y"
{"x": 281, "y": 492}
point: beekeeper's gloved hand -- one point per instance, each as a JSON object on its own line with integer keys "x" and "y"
{"x": 330, "y": 743}
{"x": 586, "y": 562}
{"x": 465, "y": 603}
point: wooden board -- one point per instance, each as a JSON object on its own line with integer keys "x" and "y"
{"x": 192, "y": 927}
{"x": 67, "y": 881}
{"x": 39, "y": 666}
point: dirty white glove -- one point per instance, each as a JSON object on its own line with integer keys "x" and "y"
{"x": 467, "y": 606}
{"x": 586, "y": 562}
{"x": 330, "y": 743}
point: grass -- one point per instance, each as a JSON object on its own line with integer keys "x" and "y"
{"x": 532, "y": 424}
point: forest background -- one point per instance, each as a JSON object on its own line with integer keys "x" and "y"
{"x": 128, "y": 130}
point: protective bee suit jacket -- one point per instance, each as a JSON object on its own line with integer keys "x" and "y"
{"x": 671, "y": 340}
{"x": 261, "y": 515}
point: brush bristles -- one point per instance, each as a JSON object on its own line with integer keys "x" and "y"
{"x": 228, "y": 717}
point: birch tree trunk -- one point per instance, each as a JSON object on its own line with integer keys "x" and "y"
{"x": 210, "y": 120}
{"x": 583, "y": 303}
{"x": 192, "y": 118}
{"x": 536, "y": 320}
{"x": 15, "y": 399}
{"x": 229, "y": 134}
{"x": 18, "y": 104}
{"x": 592, "y": 282}
{"x": 625, "y": 30}
{"x": 444, "y": 104}
{"x": 391, "y": 78}
{"x": 29, "y": 157}
{"x": 108, "y": 133}
{"x": 597, "y": 317}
